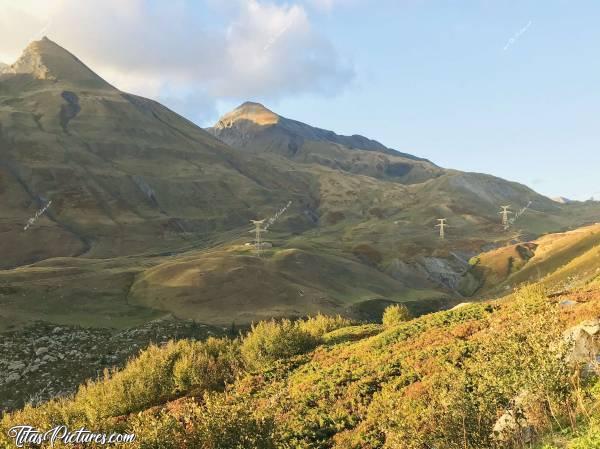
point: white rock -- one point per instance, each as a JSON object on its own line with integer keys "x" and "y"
{"x": 13, "y": 377}
{"x": 510, "y": 428}
{"x": 40, "y": 351}
{"x": 584, "y": 340}
{"x": 15, "y": 366}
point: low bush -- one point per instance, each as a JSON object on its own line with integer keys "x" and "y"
{"x": 438, "y": 381}
{"x": 395, "y": 314}
{"x": 218, "y": 422}
{"x": 321, "y": 324}
{"x": 160, "y": 373}
{"x": 269, "y": 341}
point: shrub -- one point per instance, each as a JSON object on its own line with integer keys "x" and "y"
{"x": 218, "y": 423}
{"x": 159, "y": 373}
{"x": 269, "y": 341}
{"x": 321, "y": 324}
{"x": 396, "y": 314}
{"x": 473, "y": 261}
{"x": 221, "y": 423}
{"x": 206, "y": 366}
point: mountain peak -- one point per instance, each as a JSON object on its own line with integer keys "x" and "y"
{"x": 253, "y": 127}
{"x": 251, "y": 112}
{"x": 46, "y": 60}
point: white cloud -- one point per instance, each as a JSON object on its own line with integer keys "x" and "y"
{"x": 185, "y": 52}
{"x": 329, "y": 5}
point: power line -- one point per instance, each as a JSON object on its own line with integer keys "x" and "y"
{"x": 518, "y": 214}
{"x": 257, "y": 231}
{"x": 442, "y": 225}
{"x": 505, "y": 212}
{"x": 278, "y": 214}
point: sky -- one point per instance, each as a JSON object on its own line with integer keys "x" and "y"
{"x": 503, "y": 87}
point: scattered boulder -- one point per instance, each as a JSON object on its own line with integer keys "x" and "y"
{"x": 40, "y": 351}
{"x": 567, "y": 303}
{"x": 513, "y": 426}
{"x": 43, "y": 360}
{"x": 13, "y": 377}
{"x": 585, "y": 342}
{"x": 15, "y": 366}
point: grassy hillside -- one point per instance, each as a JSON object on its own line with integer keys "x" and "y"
{"x": 555, "y": 260}
{"x": 231, "y": 284}
{"x": 442, "y": 380}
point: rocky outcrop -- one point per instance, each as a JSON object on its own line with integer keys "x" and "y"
{"x": 443, "y": 271}
{"x": 583, "y": 341}
{"x": 427, "y": 272}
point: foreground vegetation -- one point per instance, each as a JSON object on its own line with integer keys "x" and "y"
{"x": 438, "y": 381}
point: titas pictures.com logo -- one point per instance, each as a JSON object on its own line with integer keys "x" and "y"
{"x": 25, "y": 435}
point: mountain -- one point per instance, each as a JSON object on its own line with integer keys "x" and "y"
{"x": 354, "y": 323}
{"x": 44, "y": 60}
{"x": 116, "y": 211}
{"x": 124, "y": 174}
{"x": 254, "y": 128}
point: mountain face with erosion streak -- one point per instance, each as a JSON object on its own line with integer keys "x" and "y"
{"x": 147, "y": 215}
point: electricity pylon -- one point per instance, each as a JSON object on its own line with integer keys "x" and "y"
{"x": 257, "y": 230}
{"x": 505, "y": 212}
{"x": 442, "y": 225}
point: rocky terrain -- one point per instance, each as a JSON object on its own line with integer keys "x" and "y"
{"x": 44, "y": 361}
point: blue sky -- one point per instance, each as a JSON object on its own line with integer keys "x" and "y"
{"x": 436, "y": 80}
{"x": 439, "y": 79}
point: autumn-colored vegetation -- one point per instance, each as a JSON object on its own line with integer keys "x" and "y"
{"x": 438, "y": 381}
